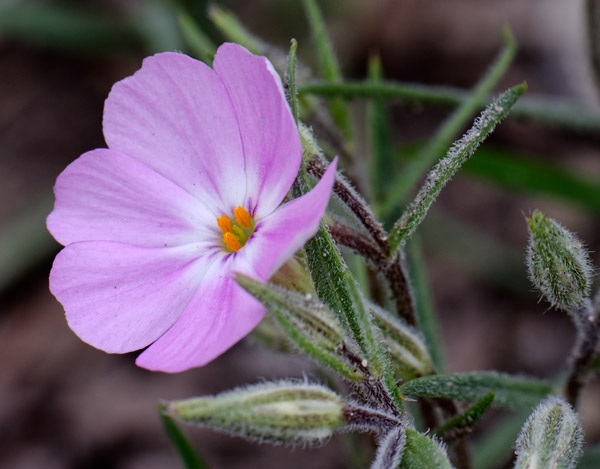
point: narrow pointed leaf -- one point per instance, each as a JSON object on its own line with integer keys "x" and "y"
{"x": 25, "y": 242}
{"x": 509, "y": 391}
{"x": 440, "y": 142}
{"x": 382, "y": 152}
{"x": 548, "y": 110}
{"x": 66, "y": 28}
{"x": 496, "y": 446}
{"x": 186, "y": 452}
{"x": 199, "y": 44}
{"x": 590, "y": 458}
{"x": 328, "y": 65}
{"x": 421, "y": 452}
{"x": 235, "y": 31}
{"x": 450, "y": 164}
{"x": 468, "y": 419}
{"x": 290, "y": 80}
{"x": 523, "y": 173}
{"x": 307, "y": 322}
{"x": 426, "y": 317}
{"x": 335, "y": 285}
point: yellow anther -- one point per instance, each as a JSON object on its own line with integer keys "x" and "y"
{"x": 232, "y": 243}
{"x": 242, "y": 217}
{"x": 225, "y": 224}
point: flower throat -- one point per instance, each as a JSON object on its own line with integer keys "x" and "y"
{"x": 236, "y": 233}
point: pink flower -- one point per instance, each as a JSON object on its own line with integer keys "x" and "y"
{"x": 187, "y": 193}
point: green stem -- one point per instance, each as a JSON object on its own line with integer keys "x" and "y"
{"x": 328, "y": 65}
{"x": 437, "y": 146}
{"x": 542, "y": 109}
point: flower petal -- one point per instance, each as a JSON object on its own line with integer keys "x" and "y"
{"x": 220, "y": 314}
{"x": 174, "y": 115}
{"x": 120, "y": 297}
{"x": 281, "y": 234}
{"x": 107, "y": 196}
{"x": 272, "y": 147}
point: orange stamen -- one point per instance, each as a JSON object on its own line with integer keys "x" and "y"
{"x": 225, "y": 224}
{"x": 242, "y": 217}
{"x": 231, "y": 242}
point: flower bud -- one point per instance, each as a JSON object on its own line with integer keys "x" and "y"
{"x": 408, "y": 353}
{"x": 557, "y": 262}
{"x": 551, "y": 437}
{"x": 282, "y": 412}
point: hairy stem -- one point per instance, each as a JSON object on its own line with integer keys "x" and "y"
{"x": 588, "y": 338}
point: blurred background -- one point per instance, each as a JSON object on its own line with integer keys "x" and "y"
{"x": 64, "y": 404}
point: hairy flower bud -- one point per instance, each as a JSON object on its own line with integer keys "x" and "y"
{"x": 408, "y": 353}
{"x": 558, "y": 264}
{"x": 283, "y": 412}
{"x": 551, "y": 437}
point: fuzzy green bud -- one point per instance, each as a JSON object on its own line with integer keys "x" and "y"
{"x": 283, "y": 412}
{"x": 551, "y": 437}
{"x": 557, "y": 262}
{"x": 407, "y": 351}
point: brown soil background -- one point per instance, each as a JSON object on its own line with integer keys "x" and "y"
{"x": 64, "y": 404}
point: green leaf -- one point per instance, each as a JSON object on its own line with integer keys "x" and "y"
{"x": 235, "y": 31}
{"x": 469, "y": 418}
{"x": 335, "y": 285}
{"x": 593, "y": 35}
{"x": 328, "y": 65}
{"x": 421, "y": 452}
{"x": 590, "y": 458}
{"x": 467, "y": 247}
{"x": 25, "y": 241}
{"x": 307, "y": 322}
{"x": 450, "y": 164}
{"x": 186, "y": 452}
{"x": 426, "y": 317}
{"x": 543, "y": 109}
{"x": 551, "y": 437}
{"x": 382, "y": 152}
{"x": 509, "y": 391}
{"x": 199, "y": 44}
{"x": 440, "y": 142}
{"x": 66, "y": 28}
{"x": 596, "y": 363}
{"x": 521, "y": 172}
{"x": 290, "y": 81}
{"x": 495, "y": 447}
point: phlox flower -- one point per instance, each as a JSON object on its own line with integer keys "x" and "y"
{"x": 188, "y": 192}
